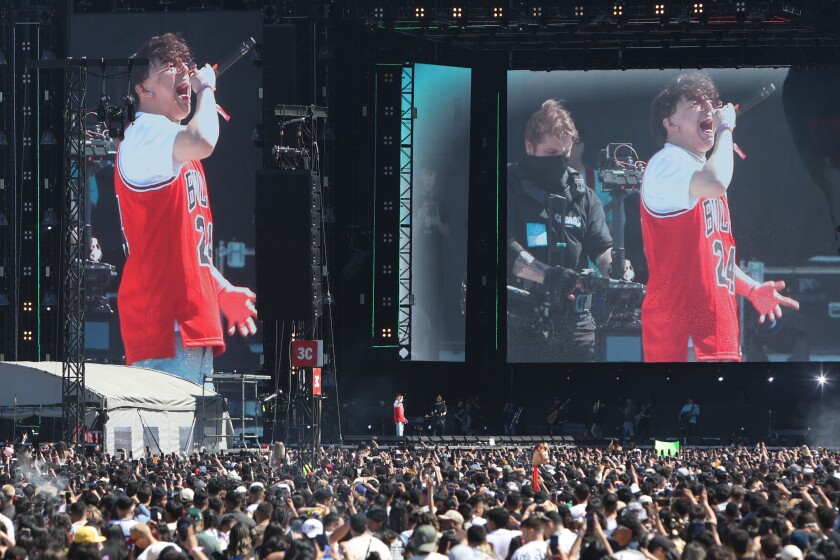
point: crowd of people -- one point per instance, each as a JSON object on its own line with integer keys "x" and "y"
{"x": 372, "y": 503}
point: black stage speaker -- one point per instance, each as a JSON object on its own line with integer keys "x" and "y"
{"x": 288, "y": 240}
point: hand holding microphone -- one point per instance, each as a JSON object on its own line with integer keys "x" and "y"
{"x": 725, "y": 117}
{"x": 201, "y": 77}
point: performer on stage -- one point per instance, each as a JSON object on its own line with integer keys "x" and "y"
{"x": 599, "y": 414}
{"x": 556, "y": 416}
{"x": 689, "y": 415}
{"x": 629, "y": 412}
{"x": 439, "y": 416}
{"x": 399, "y": 415}
{"x": 687, "y": 231}
{"x": 642, "y": 421}
{"x": 509, "y": 418}
{"x": 171, "y": 296}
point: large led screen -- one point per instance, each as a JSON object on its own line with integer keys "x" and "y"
{"x": 668, "y": 216}
{"x": 440, "y": 187}
{"x": 218, "y": 200}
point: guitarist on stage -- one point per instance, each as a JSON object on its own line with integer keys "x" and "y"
{"x": 629, "y": 412}
{"x": 439, "y": 416}
{"x": 556, "y": 416}
{"x": 689, "y": 414}
{"x": 599, "y": 414}
{"x": 643, "y": 423}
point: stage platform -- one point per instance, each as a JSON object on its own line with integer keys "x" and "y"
{"x": 491, "y": 442}
{"x": 468, "y": 441}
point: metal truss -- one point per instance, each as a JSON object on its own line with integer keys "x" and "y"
{"x": 73, "y": 365}
{"x": 576, "y": 34}
{"x": 407, "y": 115}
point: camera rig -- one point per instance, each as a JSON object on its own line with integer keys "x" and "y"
{"x": 619, "y": 168}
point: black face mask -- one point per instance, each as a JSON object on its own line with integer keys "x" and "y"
{"x": 547, "y": 172}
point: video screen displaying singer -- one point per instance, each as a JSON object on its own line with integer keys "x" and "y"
{"x": 180, "y": 302}
{"x": 671, "y": 216}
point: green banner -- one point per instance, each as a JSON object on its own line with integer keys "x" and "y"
{"x": 670, "y": 448}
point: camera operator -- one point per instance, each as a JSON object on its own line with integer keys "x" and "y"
{"x": 582, "y": 230}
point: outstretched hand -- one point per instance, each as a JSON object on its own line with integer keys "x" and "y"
{"x": 768, "y": 301}
{"x": 237, "y": 305}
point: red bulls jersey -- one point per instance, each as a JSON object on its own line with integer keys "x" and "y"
{"x": 691, "y": 257}
{"x": 168, "y": 278}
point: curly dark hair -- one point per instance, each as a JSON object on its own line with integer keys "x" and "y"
{"x": 696, "y": 85}
{"x": 169, "y": 48}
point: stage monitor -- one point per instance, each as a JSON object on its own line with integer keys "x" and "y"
{"x": 440, "y": 189}
{"x": 226, "y": 242}
{"x": 718, "y": 212}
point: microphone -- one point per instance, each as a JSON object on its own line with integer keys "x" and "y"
{"x": 229, "y": 60}
{"x": 747, "y": 104}
{"x": 233, "y": 56}
{"x": 294, "y": 121}
{"x": 754, "y": 99}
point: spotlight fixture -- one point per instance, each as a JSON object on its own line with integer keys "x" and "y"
{"x": 116, "y": 126}
{"x": 498, "y": 12}
{"x": 579, "y": 11}
{"x": 50, "y": 220}
{"x": 419, "y": 12}
{"x": 659, "y": 10}
{"x": 536, "y": 11}
{"x": 618, "y": 9}
{"x": 457, "y": 12}
{"x": 822, "y": 380}
{"x": 49, "y": 301}
{"x": 379, "y": 12}
{"x": 257, "y": 55}
{"x": 47, "y": 138}
{"x": 258, "y": 136}
{"x": 697, "y": 8}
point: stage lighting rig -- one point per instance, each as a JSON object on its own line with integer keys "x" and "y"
{"x": 115, "y": 118}
{"x": 660, "y": 12}
{"x": 700, "y": 11}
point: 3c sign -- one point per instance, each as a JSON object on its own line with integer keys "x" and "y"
{"x": 308, "y": 353}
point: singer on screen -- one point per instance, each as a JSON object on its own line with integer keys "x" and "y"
{"x": 687, "y": 231}
{"x": 172, "y": 296}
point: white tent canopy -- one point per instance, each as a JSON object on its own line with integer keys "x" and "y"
{"x": 142, "y": 407}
